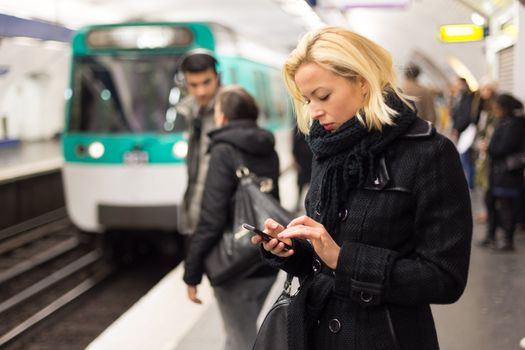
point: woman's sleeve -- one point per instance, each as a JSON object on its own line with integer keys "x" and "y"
{"x": 299, "y": 264}
{"x": 436, "y": 271}
{"x": 220, "y": 186}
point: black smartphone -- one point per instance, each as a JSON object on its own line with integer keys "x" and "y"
{"x": 266, "y": 237}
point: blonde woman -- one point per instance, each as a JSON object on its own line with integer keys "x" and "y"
{"x": 388, "y": 224}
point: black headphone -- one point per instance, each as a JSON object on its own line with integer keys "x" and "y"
{"x": 179, "y": 74}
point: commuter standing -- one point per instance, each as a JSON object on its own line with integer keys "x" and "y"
{"x": 485, "y": 128}
{"x": 461, "y": 120}
{"x": 424, "y": 101}
{"x": 388, "y": 223}
{"x": 202, "y": 83}
{"x": 505, "y": 184}
{"x": 240, "y": 300}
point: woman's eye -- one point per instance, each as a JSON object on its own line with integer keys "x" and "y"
{"x": 324, "y": 98}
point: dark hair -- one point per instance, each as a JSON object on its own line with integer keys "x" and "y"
{"x": 509, "y": 104}
{"x": 236, "y": 103}
{"x": 464, "y": 82}
{"x": 198, "y": 61}
{"x": 412, "y": 71}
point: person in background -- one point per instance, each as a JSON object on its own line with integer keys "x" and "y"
{"x": 388, "y": 225}
{"x": 202, "y": 83}
{"x": 240, "y": 300}
{"x": 485, "y": 128}
{"x": 303, "y": 159}
{"x": 505, "y": 184}
{"x": 424, "y": 101}
{"x": 461, "y": 119}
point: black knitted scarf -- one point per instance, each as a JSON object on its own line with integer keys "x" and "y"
{"x": 347, "y": 158}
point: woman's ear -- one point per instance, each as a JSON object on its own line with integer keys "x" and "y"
{"x": 220, "y": 120}
{"x": 363, "y": 85}
{"x": 218, "y": 116}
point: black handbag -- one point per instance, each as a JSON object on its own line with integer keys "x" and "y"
{"x": 273, "y": 333}
{"x": 235, "y": 256}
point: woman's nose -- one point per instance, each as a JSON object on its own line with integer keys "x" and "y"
{"x": 315, "y": 111}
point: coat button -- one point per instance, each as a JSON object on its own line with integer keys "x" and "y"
{"x": 316, "y": 265}
{"x": 334, "y": 325}
{"x": 366, "y": 297}
{"x": 343, "y": 214}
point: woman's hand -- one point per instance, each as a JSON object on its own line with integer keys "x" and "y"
{"x": 323, "y": 244}
{"x": 273, "y": 246}
{"x": 192, "y": 294}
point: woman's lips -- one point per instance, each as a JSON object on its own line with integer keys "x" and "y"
{"x": 329, "y": 126}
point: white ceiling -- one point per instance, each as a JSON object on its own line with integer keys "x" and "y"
{"x": 402, "y": 31}
{"x": 262, "y": 20}
{"x": 486, "y": 7}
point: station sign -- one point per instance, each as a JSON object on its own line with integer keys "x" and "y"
{"x": 461, "y": 33}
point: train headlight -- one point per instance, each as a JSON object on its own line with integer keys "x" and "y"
{"x": 180, "y": 149}
{"x": 96, "y": 150}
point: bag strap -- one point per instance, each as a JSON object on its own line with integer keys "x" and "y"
{"x": 241, "y": 170}
{"x": 287, "y": 288}
{"x": 288, "y": 284}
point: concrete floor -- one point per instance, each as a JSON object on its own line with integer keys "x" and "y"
{"x": 491, "y": 312}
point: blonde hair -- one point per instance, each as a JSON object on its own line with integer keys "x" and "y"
{"x": 349, "y": 55}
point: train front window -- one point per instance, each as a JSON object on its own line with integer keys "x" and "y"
{"x": 124, "y": 94}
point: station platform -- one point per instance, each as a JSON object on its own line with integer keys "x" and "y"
{"x": 20, "y": 160}
{"x": 489, "y": 315}
{"x": 30, "y": 180}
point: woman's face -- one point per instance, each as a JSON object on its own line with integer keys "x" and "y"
{"x": 332, "y": 99}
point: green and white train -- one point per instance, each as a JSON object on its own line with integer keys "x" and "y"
{"x": 124, "y": 144}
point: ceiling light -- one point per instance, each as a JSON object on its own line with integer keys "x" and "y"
{"x": 477, "y": 19}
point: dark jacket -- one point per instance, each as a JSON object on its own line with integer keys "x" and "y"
{"x": 258, "y": 154}
{"x": 508, "y": 138}
{"x": 462, "y": 112}
{"x": 405, "y": 244}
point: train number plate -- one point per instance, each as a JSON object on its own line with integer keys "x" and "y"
{"x": 136, "y": 157}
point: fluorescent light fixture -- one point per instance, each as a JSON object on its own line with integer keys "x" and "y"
{"x": 349, "y": 4}
{"x": 462, "y": 71}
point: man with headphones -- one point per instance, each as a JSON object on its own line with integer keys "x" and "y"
{"x": 199, "y": 71}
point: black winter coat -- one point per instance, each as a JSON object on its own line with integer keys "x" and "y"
{"x": 258, "y": 155}
{"x": 405, "y": 244}
{"x": 508, "y": 138}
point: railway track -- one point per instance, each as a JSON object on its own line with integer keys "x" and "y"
{"x": 44, "y": 266}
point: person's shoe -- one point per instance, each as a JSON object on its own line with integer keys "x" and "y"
{"x": 506, "y": 247}
{"x": 487, "y": 243}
